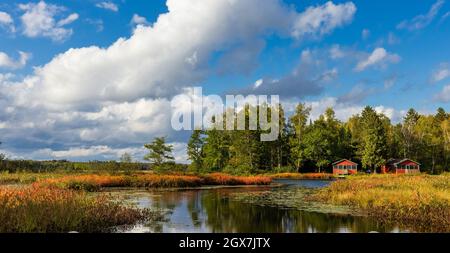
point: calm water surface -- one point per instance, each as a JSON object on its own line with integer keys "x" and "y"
{"x": 215, "y": 210}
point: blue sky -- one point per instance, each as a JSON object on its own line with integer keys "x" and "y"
{"x": 92, "y": 79}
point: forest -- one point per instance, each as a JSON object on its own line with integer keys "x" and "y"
{"x": 368, "y": 138}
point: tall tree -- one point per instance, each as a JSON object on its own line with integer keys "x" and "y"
{"x": 159, "y": 152}
{"x": 298, "y": 126}
{"x": 374, "y": 148}
{"x": 409, "y": 136}
{"x": 216, "y": 149}
{"x": 195, "y": 150}
{"x": 318, "y": 143}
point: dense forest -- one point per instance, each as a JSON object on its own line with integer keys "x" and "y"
{"x": 368, "y": 138}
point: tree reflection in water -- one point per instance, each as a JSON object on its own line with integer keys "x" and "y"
{"x": 213, "y": 210}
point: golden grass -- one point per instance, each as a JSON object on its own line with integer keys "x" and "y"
{"x": 313, "y": 176}
{"x": 94, "y": 182}
{"x": 42, "y": 209}
{"x": 420, "y": 201}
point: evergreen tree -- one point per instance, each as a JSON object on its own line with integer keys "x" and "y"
{"x": 374, "y": 145}
{"x": 159, "y": 152}
{"x": 195, "y": 150}
{"x": 409, "y": 135}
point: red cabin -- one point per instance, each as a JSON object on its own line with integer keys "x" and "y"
{"x": 345, "y": 167}
{"x": 401, "y": 166}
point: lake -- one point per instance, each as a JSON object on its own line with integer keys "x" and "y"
{"x": 246, "y": 210}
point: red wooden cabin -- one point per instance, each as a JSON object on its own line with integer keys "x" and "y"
{"x": 401, "y": 166}
{"x": 345, "y": 167}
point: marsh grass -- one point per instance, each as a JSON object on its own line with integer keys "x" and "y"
{"x": 418, "y": 201}
{"x": 299, "y": 176}
{"x": 35, "y": 209}
{"x": 97, "y": 182}
{"x": 22, "y": 178}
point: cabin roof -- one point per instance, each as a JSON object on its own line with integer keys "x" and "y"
{"x": 395, "y": 162}
{"x": 343, "y": 160}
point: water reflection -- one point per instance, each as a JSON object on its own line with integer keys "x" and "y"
{"x": 212, "y": 210}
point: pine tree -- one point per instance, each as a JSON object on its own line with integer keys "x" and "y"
{"x": 160, "y": 152}
{"x": 409, "y": 135}
{"x": 195, "y": 150}
{"x": 374, "y": 146}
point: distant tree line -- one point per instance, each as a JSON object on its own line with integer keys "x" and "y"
{"x": 64, "y": 165}
{"x": 368, "y": 138}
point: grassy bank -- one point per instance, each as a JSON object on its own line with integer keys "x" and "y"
{"x": 94, "y": 182}
{"x": 311, "y": 176}
{"x": 42, "y": 209}
{"x": 418, "y": 201}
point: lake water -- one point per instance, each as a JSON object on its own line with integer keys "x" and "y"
{"x": 219, "y": 210}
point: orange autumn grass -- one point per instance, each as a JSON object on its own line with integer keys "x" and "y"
{"x": 96, "y": 182}
{"x": 38, "y": 209}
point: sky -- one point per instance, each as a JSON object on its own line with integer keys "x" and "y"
{"x": 93, "y": 79}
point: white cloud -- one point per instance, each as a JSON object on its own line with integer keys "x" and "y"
{"x": 423, "y": 20}
{"x": 345, "y": 111}
{"x": 444, "y": 95}
{"x": 108, "y": 6}
{"x": 9, "y": 63}
{"x": 320, "y": 20}
{"x": 379, "y": 57}
{"x": 441, "y": 73}
{"x": 329, "y": 75}
{"x": 7, "y": 22}
{"x": 70, "y": 19}
{"x": 139, "y": 20}
{"x": 258, "y": 83}
{"x": 119, "y": 95}
{"x": 142, "y": 65}
{"x": 336, "y": 52}
{"x": 39, "y": 21}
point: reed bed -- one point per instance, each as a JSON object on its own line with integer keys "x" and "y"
{"x": 97, "y": 182}
{"x": 35, "y": 209}
{"x": 311, "y": 176}
{"x": 418, "y": 201}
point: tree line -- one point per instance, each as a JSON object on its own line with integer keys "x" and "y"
{"x": 303, "y": 145}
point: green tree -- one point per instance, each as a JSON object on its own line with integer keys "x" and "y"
{"x": 374, "y": 141}
{"x": 409, "y": 135}
{"x": 159, "y": 152}
{"x": 245, "y": 149}
{"x": 216, "y": 149}
{"x": 195, "y": 150}
{"x": 298, "y": 127}
{"x": 126, "y": 158}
